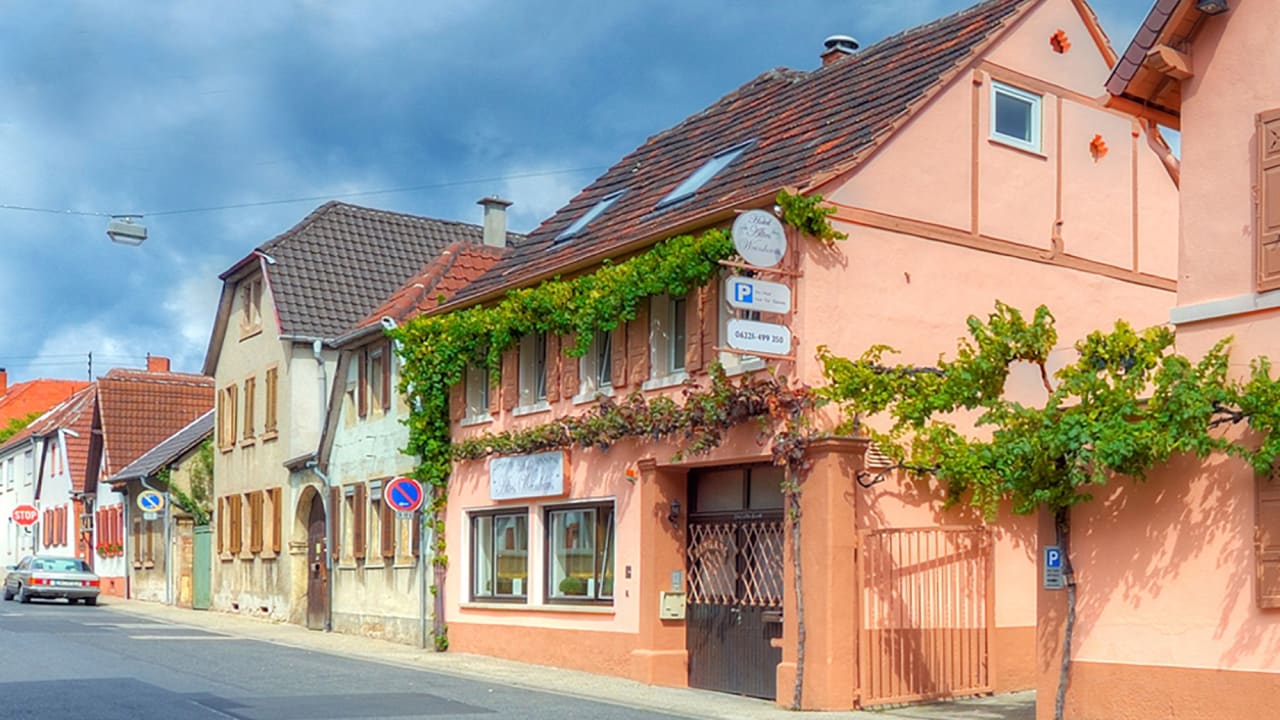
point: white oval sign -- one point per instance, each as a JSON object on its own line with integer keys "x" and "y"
{"x": 759, "y": 238}
{"x": 753, "y": 336}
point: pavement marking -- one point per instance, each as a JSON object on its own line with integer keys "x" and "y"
{"x": 11, "y": 614}
{"x": 182, "y": 637}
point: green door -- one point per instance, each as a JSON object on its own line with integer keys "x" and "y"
{"x": 202, "y": 569}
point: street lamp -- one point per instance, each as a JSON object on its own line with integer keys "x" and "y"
{"x": 123, "y": 230}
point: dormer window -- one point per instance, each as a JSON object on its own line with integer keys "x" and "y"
{"x": 709, "y": 169}
{"x": 596, "y": 211}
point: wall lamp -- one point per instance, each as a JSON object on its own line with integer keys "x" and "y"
{"x": 1212, "y": 7}
{"x": 674, "y": 515}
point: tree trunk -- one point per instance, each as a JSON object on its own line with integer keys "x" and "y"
{"x": 1062, "y": 520}
{"x": 793, "y": 518}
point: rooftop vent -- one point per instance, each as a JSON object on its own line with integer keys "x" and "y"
{"x": 838, "y": 47}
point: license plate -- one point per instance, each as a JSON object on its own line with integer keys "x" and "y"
{"x": 66, "y": 583}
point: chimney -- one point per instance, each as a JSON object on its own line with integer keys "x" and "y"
{"x": 4, "y": 381}
{"x": 155, "y": 363}
{"x": 838, "y": 47}
{"x": 495, "y": 221}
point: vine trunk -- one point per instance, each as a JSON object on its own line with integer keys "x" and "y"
{"x": 1062, "y": 521}
{"x": 793, "y": 520}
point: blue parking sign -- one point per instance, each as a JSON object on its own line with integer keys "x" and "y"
{"x": 743, "y": 292}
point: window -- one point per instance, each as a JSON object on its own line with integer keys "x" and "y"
{"x": 700, "y": 176}
{"x": 500, "y": 552}
{"x": 256, "y": 520}
{"x": 28, "y": 468}
{"x": 596, "y": 211}
{"x": 374, "y": 520}
{"x": 667, "y": 337}
{"x": 349, "y": 400}
{"x": 477, "y": 389}
{"x": 377, "y": 380}
{"x": 250, "y": 390}
{"x": 1015, "y": 117}
{"x": 533, "y": 369}
{"x": 269, "y": 423}
{"x": 273, "y": 496}
{"x": 227, "y": 417}
{"x": 580, "y": 553}
{"x": 348, "y": 554}
{"x": 250, "y": 306}
{"x": 596, "y": 367}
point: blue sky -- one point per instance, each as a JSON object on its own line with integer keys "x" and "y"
{"x": 128, "y": 107}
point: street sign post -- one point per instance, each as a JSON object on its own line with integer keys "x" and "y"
{"x": 746, "y": 293}
{"x": 754, "y": 336}
{"x": 150, "y": 501}
{"x": 25, "y": 515}
{"x": 403, "y": 494}
{"x": 1052, "y": 568}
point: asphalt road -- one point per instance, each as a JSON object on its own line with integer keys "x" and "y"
{"x": 71, "y": 661}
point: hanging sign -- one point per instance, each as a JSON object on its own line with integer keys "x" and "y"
{"x": 746, "y": 293}
{"x": 759, "y": 238}
{"x": 753, "y": 336}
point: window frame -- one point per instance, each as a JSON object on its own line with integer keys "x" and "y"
{"x": 604, "y": 561}
{"x": 477, "y": 392}
{"x": 250, "y": 306}
{"x": 492, "y": 515}
{"x": 270, "y": 423}
{"x": 1034, "y": 145}
{"x": 707, "y": 171}
{"x": 578, "y": 226}
{"x": 531, "y": 386}
{"x": 595, "y": 369}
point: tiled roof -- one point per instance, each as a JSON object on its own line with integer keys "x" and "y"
{"x": 805, "y": 128}
{"x": 141, "y": 408}
{"x": 169, "y": 450}
{"x": 458, "y": 266}
{"x": 1136, "y": 54}
{"x": 74, "y": 414}
{"x": 35, "y": 396}
{"x": 327, "y": 272}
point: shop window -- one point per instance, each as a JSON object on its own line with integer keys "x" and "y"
{"x": 1015, "y": 117}
{"x": 580, "y": 553}
{"x": 533, "y": 370}
{"x": 500, "y": 556}
{"x": 595, "y": 369}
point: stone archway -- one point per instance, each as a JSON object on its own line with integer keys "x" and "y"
{"x": 309, "y": 547}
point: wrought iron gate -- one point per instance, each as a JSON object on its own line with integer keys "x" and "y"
{"x": 927, "y": 614}
{"x": 735, "y": 604}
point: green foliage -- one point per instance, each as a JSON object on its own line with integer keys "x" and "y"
{"x": 435, "y": 350}
{"x": 1128, "y": 403}
{"x": 17, "y": 425}
{"x": 198, "y": 500}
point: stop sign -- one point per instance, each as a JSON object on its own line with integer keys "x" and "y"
{"x": 25, "y": 515}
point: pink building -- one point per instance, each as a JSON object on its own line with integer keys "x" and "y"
{"x": 1184, "y": 622}
{"x": 968, "y": 160}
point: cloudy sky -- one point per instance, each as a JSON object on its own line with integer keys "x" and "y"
{"x": 179, "y": 109}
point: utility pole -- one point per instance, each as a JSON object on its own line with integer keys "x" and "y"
{"x": 90, "y": 366}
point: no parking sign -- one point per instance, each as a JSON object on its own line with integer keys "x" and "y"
{"x": 403, "y": 494}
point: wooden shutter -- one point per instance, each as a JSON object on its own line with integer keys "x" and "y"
{"x": 510, "y": 379}
{"x": 638, "y": 345}
{"x": 222, "y": 524}
{"x": 276, "y": 514}
{"x": 361, "y": 505}
{"x": 710, "y": 320}
{"x": 335, "y": 523}
{"x": 1267, "y": 541}
{"x": 387, "y": 540}
{"x": 269, "y": 425}
{"x": 553, "y": 367}
{"x": 1267, "y": 215}
{"x": 495, "y": 394}
{"x": 250, "y": 391}
{"x": 458, "y": 400}
{"x": 255, "y": 521}
{"x": 569, "y": 379}
{"x": 232, "y": 398}
{"x": 362, "y": 384}
{"x": 692, "y": 337}
{"x": 618, "y": 355}
{"x": 387, "y": 363}
{"x": 236, "y": 504}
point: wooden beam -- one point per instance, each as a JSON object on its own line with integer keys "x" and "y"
{"x": 1172, "y": 63}
{"x": 1156, "y": 115}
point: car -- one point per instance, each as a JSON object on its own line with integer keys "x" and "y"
{"x": 52, "y": 577}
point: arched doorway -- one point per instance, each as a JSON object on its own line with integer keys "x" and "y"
{"x": 311, "y": 507}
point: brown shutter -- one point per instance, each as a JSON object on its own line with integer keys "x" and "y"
{"x": 458, "y": 400}
{"x": 222, "y": 524}
{"x": 553, "y": 367}
{"x": 388, "y": 527}
{"x": 335, "y": 523}
{"x": 710, "y": 320}
{"x": 569, "y": 380}
{"x": 495, "y": 395}
{"x": 638, "y": 345}
{"x": 1268, "y": 201}
{"x": 361, "y": 504}
{"x": 1267, "y": 541}
{"x": 693, "y": 311}
{"x": 236, "y": 505}
{"x": 362, "y": 385}
{"x": 255, "y": 521}
{"x": 386, "y": 375}
{"x": 618, "y": 355}
{"x": 276, "y": 514}
{"x": 510, "y": 379}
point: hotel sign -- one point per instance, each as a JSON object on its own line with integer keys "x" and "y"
{"x": 759, "y": 238}
{"x": 527, "y": 476}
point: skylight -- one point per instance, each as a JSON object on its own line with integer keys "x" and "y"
{"x": 596, "y": 211}
{"x": 700, "y": 176}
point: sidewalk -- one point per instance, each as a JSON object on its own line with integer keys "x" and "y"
{"x": 603, "y": 688}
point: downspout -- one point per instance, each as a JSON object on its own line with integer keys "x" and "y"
{"x": 317, "y": 351}
{"x": 66, "y": 469}
{"x": 388, "y": 324}
{"x": 168, "y": 569}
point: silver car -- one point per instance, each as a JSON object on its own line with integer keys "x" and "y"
{"x": 52, "y": 577}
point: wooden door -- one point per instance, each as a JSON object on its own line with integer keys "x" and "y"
{"x": 317, "y": 567}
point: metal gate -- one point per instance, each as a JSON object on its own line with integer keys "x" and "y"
{"x": 927, "y": 614}
{"x": 735, "y": 604}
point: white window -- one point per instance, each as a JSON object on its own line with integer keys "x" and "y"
{"x": 29, "y": 467}
{"x": 500, "y": 556}
{"x": 1015, "y": 117}
{"x": 580, "y": 553}
{"x": 533, "y": 370}
{"x": 378, "y": 381}
{"x": 596, "y": 368}
{"x": 477, "y": 392}
{"x": 667, "y": 339}
{"x": 350, "y": 406}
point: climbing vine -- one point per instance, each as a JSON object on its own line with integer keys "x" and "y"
{"x": 436, "y": 349}
{"x": 1127, "y": 404}
{"x": 198, "y": 500}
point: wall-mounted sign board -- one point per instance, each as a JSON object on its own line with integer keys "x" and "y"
{"x": 759, "y": 238}
{"x": 746, "y": 293}
{"x": 528, "y": 476}
{"x": 754, "y": 336}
